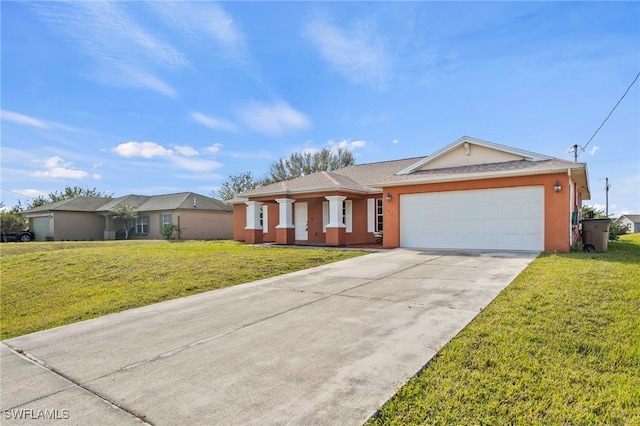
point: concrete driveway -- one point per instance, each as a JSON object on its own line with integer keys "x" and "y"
{"x": 327, "y": 345}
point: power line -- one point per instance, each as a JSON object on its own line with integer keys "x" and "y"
{"x": 611, "y": 112}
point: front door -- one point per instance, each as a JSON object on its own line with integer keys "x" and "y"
{"x": 300, "y": 217}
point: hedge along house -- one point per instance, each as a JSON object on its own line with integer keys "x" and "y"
{"x": 91, "y": 218}
{"x": 471, "y": 194}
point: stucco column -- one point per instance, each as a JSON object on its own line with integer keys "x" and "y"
{"x": 336, "y": 230}
{"x": 253, "y": 230}
{"x": 285, "y": 230}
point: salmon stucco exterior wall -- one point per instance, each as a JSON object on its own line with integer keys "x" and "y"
{"x": 557, "y": 220}
{"x": 316, "y": 235}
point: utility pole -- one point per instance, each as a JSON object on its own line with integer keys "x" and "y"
{"x": 606, "y": 187}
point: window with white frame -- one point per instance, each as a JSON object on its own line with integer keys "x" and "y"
{"x": 379, "y": 210}
{"x": 142, "y": 225}
{"x": 166, "y": 219}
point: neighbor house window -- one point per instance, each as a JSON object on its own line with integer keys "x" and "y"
{"x": 142, "y": 225}
{"x": 379, "y": 210}
{"x": 166, "y": 219}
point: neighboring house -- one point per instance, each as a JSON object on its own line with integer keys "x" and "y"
{"x": 91, "y": 218}
{"x": 630, "y": 221}
{"x": 471, "y": 194}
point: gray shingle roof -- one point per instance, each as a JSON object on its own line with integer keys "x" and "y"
{"x": 635, "y": 218}
{"x": 350, "y": 179}
{"x": 519, "y": 166}
{"x": 77, "y": 204}
{"x": 142, "y": 203}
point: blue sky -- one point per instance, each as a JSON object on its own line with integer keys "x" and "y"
{"x": 158, "y": 97}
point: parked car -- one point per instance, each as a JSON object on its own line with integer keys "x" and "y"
{"x": 25, "y": 236}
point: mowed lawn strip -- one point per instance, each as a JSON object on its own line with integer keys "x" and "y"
{"x": 46, "y": 285}
{"x": 560, "y": 345}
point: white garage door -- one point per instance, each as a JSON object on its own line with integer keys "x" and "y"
{"x": 503, "y": 219}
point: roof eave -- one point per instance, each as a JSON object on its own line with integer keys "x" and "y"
{"x": 468, "y": 176}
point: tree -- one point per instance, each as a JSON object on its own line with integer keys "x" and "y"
{"x": 302, "y": 164}
{"x": 67, "y": 193}
{"x": 77, "y": 191}
{"x": 127, "y": 213}
{"x": 236, "y": 184}
{"x": 298, "y": 164}
{"x": 11, "y": 220}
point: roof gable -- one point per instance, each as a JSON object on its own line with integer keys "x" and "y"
{"x": 468, "y": 151}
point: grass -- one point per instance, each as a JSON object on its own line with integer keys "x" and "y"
{"x": 46, "y": 285}
{"x": 559, "y": 346}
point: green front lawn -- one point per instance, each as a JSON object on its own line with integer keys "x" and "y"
{"x": 559, "y": 346}
{"x": 46, "y": 285}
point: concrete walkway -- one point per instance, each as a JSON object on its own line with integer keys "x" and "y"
{"x": 324, "y": 346}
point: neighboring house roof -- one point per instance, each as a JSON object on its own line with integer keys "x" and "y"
{"x": 142, "y": 203}
{"x": 349, "y": 179}
{"x": 635, "y": 218}
{"x": 451, "y": 163}
{"x": 77, "y": 204}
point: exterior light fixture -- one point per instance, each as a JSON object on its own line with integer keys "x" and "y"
{"x": 388, "y": 197}
{"x": 557, "y": 187}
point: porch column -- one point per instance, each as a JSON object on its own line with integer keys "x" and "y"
{"x": 285, "y": 230}
{"x": 253, "y": 231}
{"x": 336, "y": 230}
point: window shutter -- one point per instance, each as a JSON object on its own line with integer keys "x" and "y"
{"x": 325, "y": 215}
{"x": 349, "y": 215}
{"x": 371, "y": 214}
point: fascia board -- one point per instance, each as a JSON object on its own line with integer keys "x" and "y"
{"x": 468, "y": 176}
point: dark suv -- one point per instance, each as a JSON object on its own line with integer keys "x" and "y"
{"x": 25, "y": 236}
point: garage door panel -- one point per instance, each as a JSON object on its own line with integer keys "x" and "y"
{"x": 505, "y": 218}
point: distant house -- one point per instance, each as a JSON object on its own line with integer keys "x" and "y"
{"x": 471, "y": 194}
{"x": 630, "y": 221}
{"x": 91, "y": 218}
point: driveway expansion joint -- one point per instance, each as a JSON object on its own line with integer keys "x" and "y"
{"x": 73, "y": 384}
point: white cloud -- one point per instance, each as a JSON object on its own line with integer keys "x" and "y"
{"x": 187, "y": 151}
{"x": 22, "y": 119}
{"x": 395, "y": 141}
{"x": 142, "y": 149}
{"x": 31, "y": 193}
{"x": 212, "y": 122}
{"x": 196, "y": 165}
{"x": 202, "y": 18}
{"x": 346, "y": 144}
{"x": 359, "y": 54}
{"x": 213, "y": 149}
{"x": 123, "y": 51}
{"x": 594, "y": 150}
{"x": 252, "y": 155}
{"x": 26, "y": 120}
{"x": 56, "y": 167}
{"x": 274, "y": 119}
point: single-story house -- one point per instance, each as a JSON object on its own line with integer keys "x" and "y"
{"x": 91, "y": 218}
{"x": 471, "y": 194}
{"x": 630, "y": 221}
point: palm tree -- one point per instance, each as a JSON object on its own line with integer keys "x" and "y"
{"x": 127, "y": 213}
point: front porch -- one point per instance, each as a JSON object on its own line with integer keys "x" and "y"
{"x": 332, "y": 220}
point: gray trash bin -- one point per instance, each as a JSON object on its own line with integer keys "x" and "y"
{"x": 595, "y": 232}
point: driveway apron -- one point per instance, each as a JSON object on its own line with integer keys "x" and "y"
{"x": 327, "y": 345}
